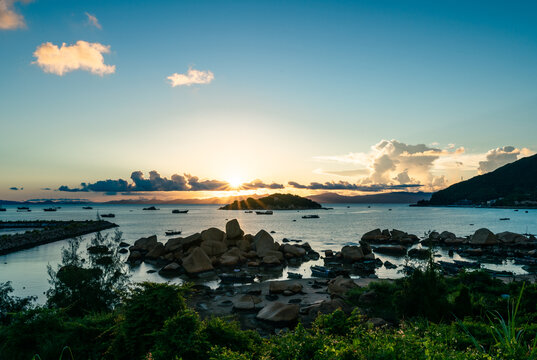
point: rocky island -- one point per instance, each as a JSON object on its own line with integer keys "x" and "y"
{"x": 274, "y": 202}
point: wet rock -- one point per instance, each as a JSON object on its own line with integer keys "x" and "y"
{"x": 455, "y": 241}
{"x": 366, "y": 248}
{"x": 373, "y": 235}
{"x": 277, "y": 312}
{"x": 123, "y": 251}
{"x": 263, "y": 242}
{"x": 135, "y": 256}
{"x": 483, "y": 236}
{"x": 294, "y": 250}
{"x": 396, "y": 250}
{"x": 171, "y": 269}
{"x": 156, "y": 252}
{"x": 124, "y": 244}
{"x": 508, "y": 237}
{"x": 212, "y": 234}
{"x": 397, "y": 235}
{"x": 213, "y": 247}
{"x": 233, "y": 229}
{"x": 277, "y": 254}
{"x": 340, "y": 285}
{"x": 278, "y": 287}
{"x": 446, "y": 235}
{"x": 246, "y": 302}
{"x": 419, "y": 253}
{"x": 271, "y": 260}
{"x": 389, "y": 265}
{"x": 197, "y": 262}
{"x": 145, "y": 244}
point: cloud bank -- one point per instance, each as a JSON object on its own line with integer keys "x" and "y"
{"x": 9, "y": 18}
{"x": 344, "y": 185}
{"x": 499, "y": 157}
{"x": 80, "y": 56}
{"x": 92, "y": 20}
{"x": 191, "y": 77}
{"x": 155, "y": 182}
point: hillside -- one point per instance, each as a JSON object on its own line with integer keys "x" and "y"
{"x": 514, "y": 184}
{"x": 384, "y": 198}
{"x": 274, "y": 202}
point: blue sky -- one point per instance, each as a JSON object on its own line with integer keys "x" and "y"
{"x": 297, "y": 88}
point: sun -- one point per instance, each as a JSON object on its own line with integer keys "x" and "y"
{"x": 235, "y": 182}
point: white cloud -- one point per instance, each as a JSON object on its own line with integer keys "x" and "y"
{"x": 81, "y": 56}
{"x": 9, "y": 19}
{"x": 191, "y": 77}
{"x": 499, "y": 157}
{"x": 92, "y": 20}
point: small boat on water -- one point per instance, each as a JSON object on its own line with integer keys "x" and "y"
{"x": 292, "y": 275}
{"x": 150, "y": 208}
{"x": 173, "y": 232}
{"x": 310, "y": 217}
{"x": 505, "y": 219}
{"x": 108, "y": 215}
{"x": 2, "y": 209}
{"x": 87, "y": 208}
{"x": 23, "y": 208}
{"x": 267, "y": 212}
{"x": 248, "y": 212}
{"x": 176, "y": 211}
{"x": 49, "y": 209}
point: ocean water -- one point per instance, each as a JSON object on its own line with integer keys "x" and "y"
{"x": 344, "y": 225}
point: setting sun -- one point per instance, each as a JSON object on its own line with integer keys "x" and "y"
{"x": 235, "y": 182}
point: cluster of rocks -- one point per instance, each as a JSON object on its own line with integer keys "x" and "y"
{"x": 214, "y": 249}
{"x": 481, "y": 237}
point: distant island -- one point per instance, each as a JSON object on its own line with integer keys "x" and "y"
{"x": 512, "y": 185}
{"x": 274, "y": 202}
{"x": 398, "y": 197}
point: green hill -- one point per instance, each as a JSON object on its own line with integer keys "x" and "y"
{"x": 274, "y": 202}
{"x": 514, "y": 184}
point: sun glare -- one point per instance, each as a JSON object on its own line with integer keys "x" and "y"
{"x": 235, "y": 182}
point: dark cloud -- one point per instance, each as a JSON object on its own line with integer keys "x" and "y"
{"x": 258, "y": 184}
{"x": 206, "y": 185}
{"x": 46, "y": 188}
{"x": 344, "y": 185}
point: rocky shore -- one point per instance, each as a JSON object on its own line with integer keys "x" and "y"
{"x": 44, "y": 232}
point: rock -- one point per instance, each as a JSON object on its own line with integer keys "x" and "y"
{"x": 174, "y": 244}
{"x": 278, "y": 312}
{"x": 197, "y": 262}
{"x": 263, "y": 242}
{"x": 123, "y": 251}
{"x": 366, "y": 248}
{"x": 171, "y": 269}
{"x": 368, "y": 298}
{"x": 373, "y": 235}
{"x": 419, "y": 253}
{"x": 397, "y": 235}
{"x": 124, "y": 244}
{"x": 277, "y": 254}
{"x": 396, "y": 250}
{"x": 244, "y": 244}
{"x": 352, "y": 253}
{"x": 233, "y": 229}
{"x": 386, "y": 233}
{"x": 212, "y": 234}
{"x": 213, "y": 247}
{"x": 278, "y": 287}
{"x": 389, "y": 265}
{"x": 156, "y": 252}
{"x": 446, "y": 235}
{"x": 369, "y": 257}
{"x": 145, "y": 244}
{"x": 229, "y": 260}
{"x": 377, "y": 322}
{"x": 340, "y": 285}
{"x": 508, "y": 237}
{"x": 483, "y": 236}
{"x": 271, "y": 260}
{"x": 184, "y": 244}
{"x": 473, "y": 252}
{"x": 294, "y": 250}
{"x": 246, "y": 302}
{"x": 254, "y": 263}
{"x": 134, "y": 256}
{"x": 328, "y": 253}
{"x": 455, "y": 241}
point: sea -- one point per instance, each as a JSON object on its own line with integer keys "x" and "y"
{"x": 342, "y": 225}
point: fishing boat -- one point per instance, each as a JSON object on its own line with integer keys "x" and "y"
{"x": 248, "y": 212}
{"x": 179, "y": 211}
{"x": 23, "y": 208}
{"x": 503, "y": 219}
{"x": 310, "y": 217}
{"x": 2, "y": 209}
{"x": 267, "y": 212}
{"x": 150, "y": 208}
{"x": 108, "y": 215}
{"x": 49, "y": 209}
{"x": 173, "y": 232}
{"x": 87, "y": 207}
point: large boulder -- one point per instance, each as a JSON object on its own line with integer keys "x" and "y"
{"x": 145, "y": 244}
{"x": 213, "y": 247}
{"x": 278, "y": 312}
{"x": 397, "y": 235}
{"x": 271, "y": 260}
{"x": 420, "y": 253}
{"x": 197, "y": 262}
{"x": 352, "y": 253}
{"x": 508, "y": 237}
{"x": 212, "y": 234}
{"x": 340, "y": 285}
{"x": 246, "y": 302}
{"x": 366, "y": 248}
{"x": 231, "y": 258}
{"x": 174, "y": 244}
{"x": 447, "y": 236}
{"x": 483, "y": 236}
{"x": 156, "y": 252}
{"x": 134, "y": 257}
{"x": 263, "y": 243}
{"x": 278, "y": 287}
{"x": 294, "y": 250}
{"x": 183, "y": 243}
{"x": 373, "y": 235}
{"x": 233, "y": 229}
{"x": 245, "y": 244}
{"x": 396, "y": 250}
{"x": 171, "y": 269}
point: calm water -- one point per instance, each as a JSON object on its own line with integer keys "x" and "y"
{"x": 335, "y": 228}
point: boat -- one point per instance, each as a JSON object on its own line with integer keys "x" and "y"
{"x": 505, "y": 219}
{"x": 179, "y": 211}
{"x": 23, "y": 208}
{"x": 267, "y": 212}
{"x": 49, "y": 209}
{"x": 173, "y": 232}
{"x": 310, "y": 217}
{"x": 108, "y": 215}
{"x": 87, "y": 208}
{"x": 2, "y": 209}
{"x": 150, "y": 208}
{"x": 248, "y": 212}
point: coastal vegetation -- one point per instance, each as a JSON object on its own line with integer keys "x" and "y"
{"x": 423, "y": 315}
{"x": 274, "y": 202}
{"x": 514, "y": 184}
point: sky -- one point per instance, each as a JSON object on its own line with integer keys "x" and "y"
{"x": 182, "y": 99}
